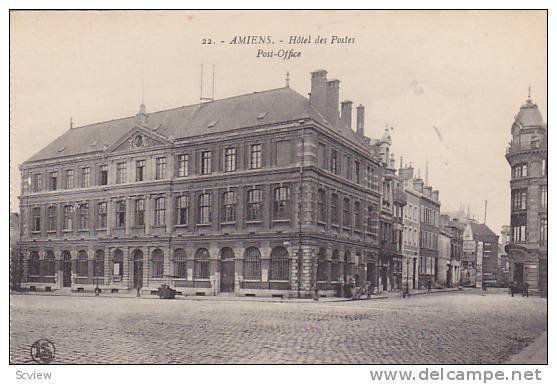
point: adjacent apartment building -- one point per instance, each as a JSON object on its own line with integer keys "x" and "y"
{"x": 527, "y": 158}
{"x": 411, "y": 231}
{"x": 269, "y": 193}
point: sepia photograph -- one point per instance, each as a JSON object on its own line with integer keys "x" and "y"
{"x": 291, "y": 187}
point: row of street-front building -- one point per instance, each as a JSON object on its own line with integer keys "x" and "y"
{"x": 263, "y": 194}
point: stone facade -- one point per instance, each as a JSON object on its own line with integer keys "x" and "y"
{"x": 411, "y": 231}
{"x": 527, "y": 158}
{"x": 258, "y": 194}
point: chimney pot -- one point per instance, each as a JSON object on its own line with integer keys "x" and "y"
{"x": 360, "y": 115}
{"x": 346, "y": 113}
{"x": 318, "y": 91}
{"x": 331, "y": 99}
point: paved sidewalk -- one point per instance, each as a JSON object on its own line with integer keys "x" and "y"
{"x": 534, "y": 353}
{"x": 225, "y": 297}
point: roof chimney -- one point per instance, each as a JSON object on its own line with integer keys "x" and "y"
{"x": 317, "y": 95}
{"x": 360, "y": 111}
{"x": 346, "y": 113}
{"x": 332, "y": 99}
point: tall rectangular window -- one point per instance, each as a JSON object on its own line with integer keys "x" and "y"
{"x": 543, "y": 231}
{"x": 372, "y": 219}
{"x": 334, "y": 162}
{"x": 229, "y": 207}
{"x": 121, "y": 173}
{"x": 519, "y": 233}
{"x": 69, "y": 179}
{"x": 346, "y": 214}
{"x": 139, "y": 212}
{"x": 140, "y": 170}
{"x": 68, "y": 218}
{"x": 36, "y": 219}
{"x": 229, "y": 159}
{"x": 160, "y": 170}
{"x": 519, "y": 198}
{"x": 254, "y": 208}
{"x": 37, "y": 182}
{"x": 85, "y": 177}
{"x": 357, "y": 176}
{"x": 544, "y": 167}
{"x": 204, "y": 209}
{"x": 206, "y": 162}
{"x": 346, "y": 168}
{"x": 182, "y": 210}
{"x": 120, "y": 213}
{"x": 281, "y": 206}
{"x": 543, "y": 192}
{"x": 52, "y": 219}
{"x": 322, "y": 156}
{"x": 183, "y": 165}
{"x": 84, "y": 216}
{"x": 101, "y": 215}
{"x": 334, "y": 209}
{"x": 103, "y": 174}
{"x": 369, "y": 177}
{"x": 357, "y": 215}
{"x": 255, "y": 156}
{"x": 160, "y": 211}
{"x": 322, "y": 205}
{"x": 53, "y": 181}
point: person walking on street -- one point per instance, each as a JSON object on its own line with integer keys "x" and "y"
{"x": 429, "y": 286}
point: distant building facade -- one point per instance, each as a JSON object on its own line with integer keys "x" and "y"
{"x": 527, "y": 158}
{"x": 429, "y": 233}
{"x": 411, "y": 232}
{"x": 480, "y": 255}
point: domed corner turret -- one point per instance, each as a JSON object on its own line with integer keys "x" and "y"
{"x": 528, "y": 116}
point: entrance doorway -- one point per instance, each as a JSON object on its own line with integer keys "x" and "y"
{"x": 518, "y": 275}
{"x": 227, "y": 270}
{"x": 370, "y": 267}
{"x": 137, "y": 269}
{"x": 66, "y": 269}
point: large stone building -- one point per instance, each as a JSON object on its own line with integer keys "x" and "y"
{"x": 527, "y": 157}
{"x": 268, "y": 193}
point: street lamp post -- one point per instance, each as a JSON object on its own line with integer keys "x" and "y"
{"x": 96, "y": 276}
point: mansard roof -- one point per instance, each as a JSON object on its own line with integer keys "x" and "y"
{"x": 250, "y": 110}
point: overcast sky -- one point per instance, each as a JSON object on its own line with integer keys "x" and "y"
{"x": 464, "y": 72}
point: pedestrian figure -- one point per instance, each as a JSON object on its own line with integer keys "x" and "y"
{"x": 525, "y": 289}
{"x": 429, "y": 286}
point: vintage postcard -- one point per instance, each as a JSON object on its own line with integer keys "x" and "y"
{"x": 280, "y": 187}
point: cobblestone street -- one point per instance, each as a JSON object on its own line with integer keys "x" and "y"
{"x": 460, "y": 327}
